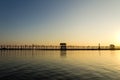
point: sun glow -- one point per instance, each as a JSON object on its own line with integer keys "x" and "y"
{"x": 118, "y": 38}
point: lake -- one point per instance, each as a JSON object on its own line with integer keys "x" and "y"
{"x": 59, "y": 65}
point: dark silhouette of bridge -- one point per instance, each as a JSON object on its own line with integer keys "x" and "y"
{"x": 62, "y": 46}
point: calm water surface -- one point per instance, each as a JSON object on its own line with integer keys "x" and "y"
{"x": 59, "y": 65}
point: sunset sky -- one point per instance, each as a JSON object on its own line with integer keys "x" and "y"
{"x": 76, "y": 22}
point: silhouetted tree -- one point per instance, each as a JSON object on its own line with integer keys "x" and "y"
{"x": 112, "y": 46}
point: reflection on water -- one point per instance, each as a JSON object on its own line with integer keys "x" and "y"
{"x": 59, "y": 65}
{"x": 63, "y": 53}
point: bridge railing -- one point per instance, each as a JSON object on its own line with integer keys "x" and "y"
{"x": 37, "y": 47}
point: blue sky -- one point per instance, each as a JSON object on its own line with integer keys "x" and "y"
{"x": 76, "y": 22}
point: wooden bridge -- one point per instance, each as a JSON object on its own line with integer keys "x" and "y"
{"x": 59, "y": 47}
